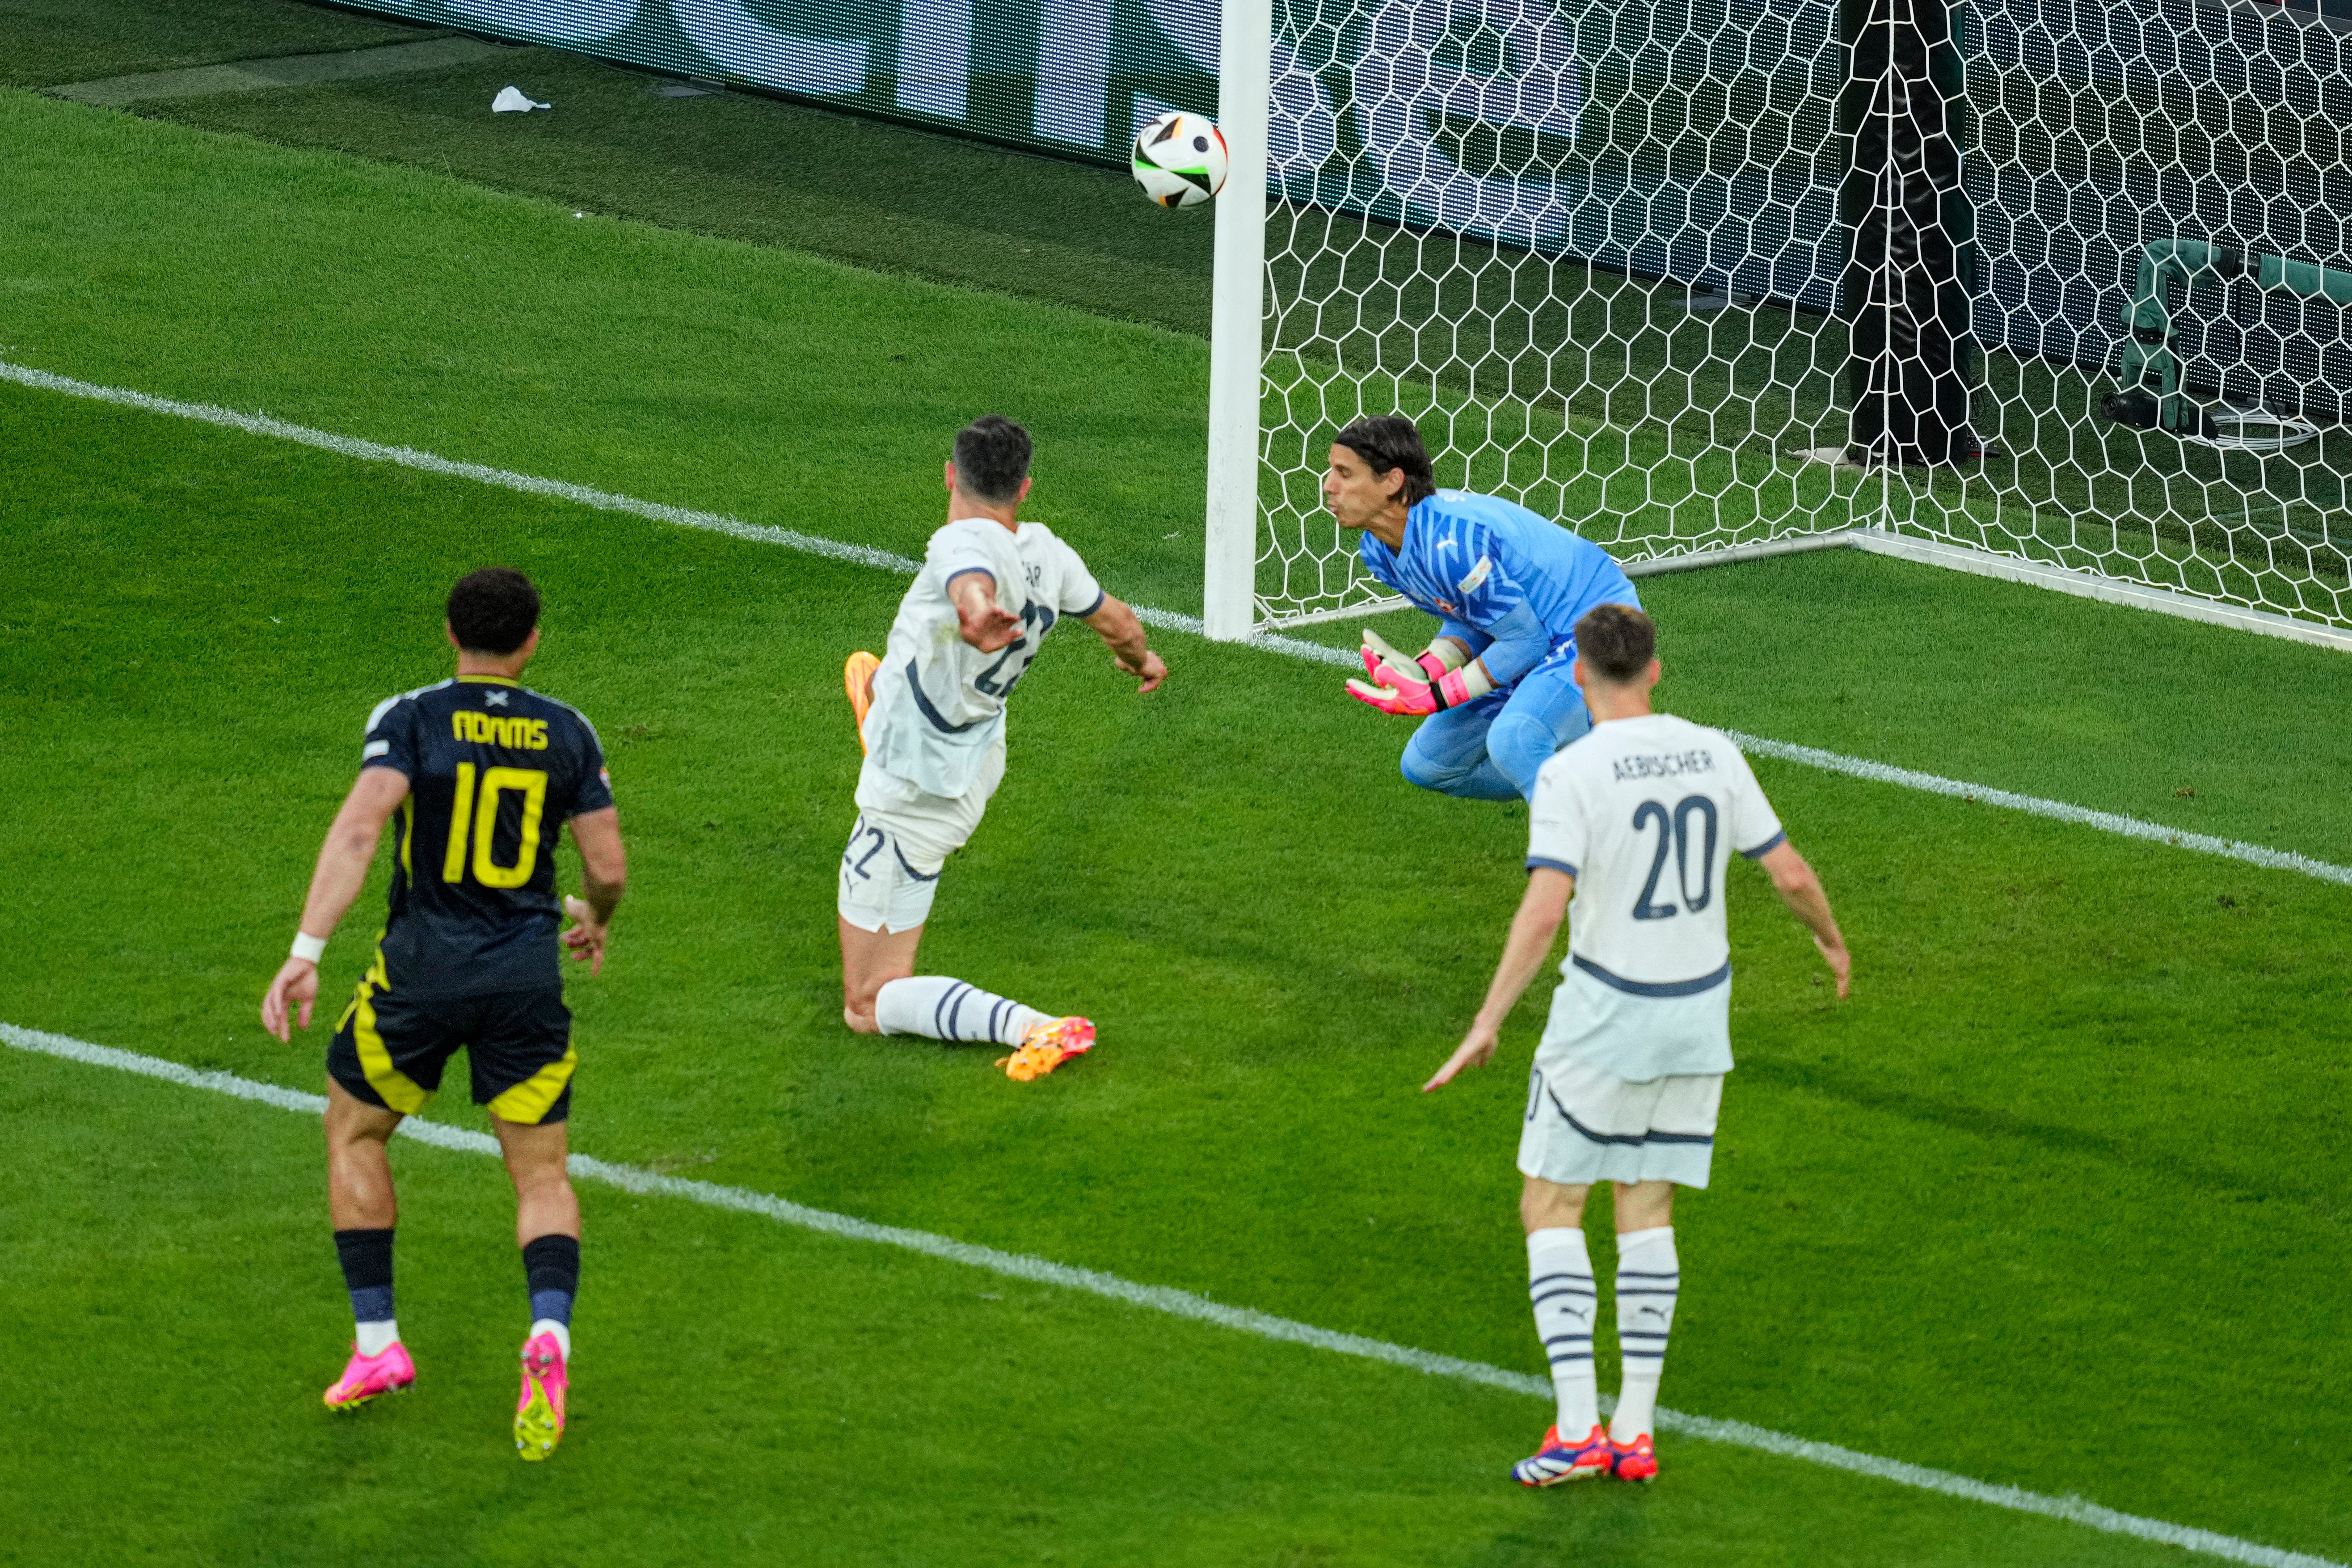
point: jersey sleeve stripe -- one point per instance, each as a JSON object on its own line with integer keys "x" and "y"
{"x": 1766, "y": 847}
{"x": 968, "y": 572}
{"x": 1535, "y": 861}
{"x": 1101, "y": 596}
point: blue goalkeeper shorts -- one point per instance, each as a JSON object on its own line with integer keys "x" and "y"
{"x": 1492, "y": 749}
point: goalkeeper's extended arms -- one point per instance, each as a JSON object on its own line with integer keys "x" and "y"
{"x": 1533, "y": 929}
{"x": 1520, "y": 642}
{"x": 1444, "y": 676}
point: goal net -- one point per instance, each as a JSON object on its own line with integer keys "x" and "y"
{"x": 2044, "y": 278}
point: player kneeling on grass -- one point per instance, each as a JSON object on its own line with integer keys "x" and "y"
{"x": 930, "y": 714}
{"x": 1506, "y": 587}
{"x": 481, "y": 775}
{"x": 1638, "y": 821}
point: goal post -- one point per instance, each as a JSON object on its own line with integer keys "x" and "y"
{"x": 1236, "y": 362}
{"x": 2016, "y": 281}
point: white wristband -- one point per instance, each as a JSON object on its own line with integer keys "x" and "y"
{"x": 308, "y": 947}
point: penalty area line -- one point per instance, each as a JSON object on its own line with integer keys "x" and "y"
{"x": 1165, "y": 620}
{"x": 1198, "y": 1308}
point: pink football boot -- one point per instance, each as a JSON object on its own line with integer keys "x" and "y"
{"x": 369, "y": 1376}
{"x": 538, "y": 1413}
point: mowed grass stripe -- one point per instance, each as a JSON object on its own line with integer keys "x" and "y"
{"x": 1166, "y": 620}
{"x": 1185, "y": 1304}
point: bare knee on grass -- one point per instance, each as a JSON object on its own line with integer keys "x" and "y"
{"x": 869, "y": 961}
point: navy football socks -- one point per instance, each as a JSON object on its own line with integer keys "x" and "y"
{"x": 552, "y": 1265}
{"x": 366, "y": 1258}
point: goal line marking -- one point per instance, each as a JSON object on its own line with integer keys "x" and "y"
{"x": 1199, "y": 1308}
{"x": 1167, "y": 620}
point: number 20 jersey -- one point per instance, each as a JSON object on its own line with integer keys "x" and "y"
{"x": 1644, "y": 814}
{"x": 494, "y": 772}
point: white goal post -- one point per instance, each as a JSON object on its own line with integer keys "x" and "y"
{"x": 1711, "y": 279}
{"x": 1229, "y": 608}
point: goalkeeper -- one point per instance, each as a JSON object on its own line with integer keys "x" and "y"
{"x": 1509, "y": 587}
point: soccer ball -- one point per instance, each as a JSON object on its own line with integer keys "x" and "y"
{"x": 1179, "y": 159}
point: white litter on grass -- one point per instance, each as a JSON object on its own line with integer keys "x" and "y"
{"x": 1167, "y": 620}
{"x": 512, "y": 100}
{"x": 1200, "y": 1309}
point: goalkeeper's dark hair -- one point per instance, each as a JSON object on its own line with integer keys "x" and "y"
{"x": 1616, "y": 642}
{"x": 493, "y": 610}
{"x": 991, "y": 459}
{"x": 1389, "y": 442}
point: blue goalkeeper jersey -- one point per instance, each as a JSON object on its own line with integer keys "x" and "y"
{"x": 1517, "y": 582}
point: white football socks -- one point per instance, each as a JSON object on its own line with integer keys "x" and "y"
{"x": 939, "y": 1008}
{"x": 1647, "y": 1280}
{"x": 374, "y": 1339}
{"x": 562, "y": 1333}
{"x": 1559, "y": 1282}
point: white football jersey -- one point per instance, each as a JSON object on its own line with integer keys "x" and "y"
{"x": 1644, "y": 814}
{"x": 938, "y": 702}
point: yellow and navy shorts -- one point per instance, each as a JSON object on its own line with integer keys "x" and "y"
{"x": 391, "y": 1050}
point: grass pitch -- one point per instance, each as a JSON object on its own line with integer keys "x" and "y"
{"x": 2004, "y": 1214}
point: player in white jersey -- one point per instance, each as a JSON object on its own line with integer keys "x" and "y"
{"x": 930, "y": 714}
{"x": 1638, "y": 821}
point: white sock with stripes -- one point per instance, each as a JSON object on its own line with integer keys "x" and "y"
{"x": 1647, "y": 1280}
{"x": 939, "y": 1008}
{"x": 1559, "y": 1282}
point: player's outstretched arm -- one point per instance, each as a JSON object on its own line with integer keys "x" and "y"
{"x": 979, "y": 619}
{"x": 604, "y": 873}
{"x": 1801, "y": 891}
{"x": 1532, "y": 931}
{"x": 1116, "y": 625}
{"x": 342, "y": 872}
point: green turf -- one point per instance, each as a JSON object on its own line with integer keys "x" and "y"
{"x": 391, "y": 304}
{"x": 49, "y": 42}
{"x": 766, "y": 171}
{"x": 1912, "y": 1188}
{"x": 748, "y": 1393}
{"x": 2005, "y": 1214}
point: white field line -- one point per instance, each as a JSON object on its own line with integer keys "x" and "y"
{"x": 1200, "y": 1309}
{"x": 1167, "y": 620}
{"x": 2057, "y": 810}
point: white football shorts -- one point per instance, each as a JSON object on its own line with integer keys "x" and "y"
{"x": 903, "y": 838}
{"x": 1584, "y": 1125}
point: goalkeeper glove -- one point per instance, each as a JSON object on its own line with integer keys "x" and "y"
{"x": 1442, "y": 677}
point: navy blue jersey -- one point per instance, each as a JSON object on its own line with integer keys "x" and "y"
{"x": 494, "y": 772}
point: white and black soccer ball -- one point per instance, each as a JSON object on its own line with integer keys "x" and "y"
{"x": 1179, "y": 159}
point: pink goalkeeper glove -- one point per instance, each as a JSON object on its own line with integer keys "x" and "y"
{"x": 1424, "y": 685}
{"x": 1377, "y": 652}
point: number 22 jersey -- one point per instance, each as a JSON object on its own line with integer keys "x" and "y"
{"x": 494, "y": 772}
{"x": 938, "y": 702}
{"x": 1644, "y": 814}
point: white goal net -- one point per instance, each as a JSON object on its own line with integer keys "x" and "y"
{"x": 2046, "y": 278}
